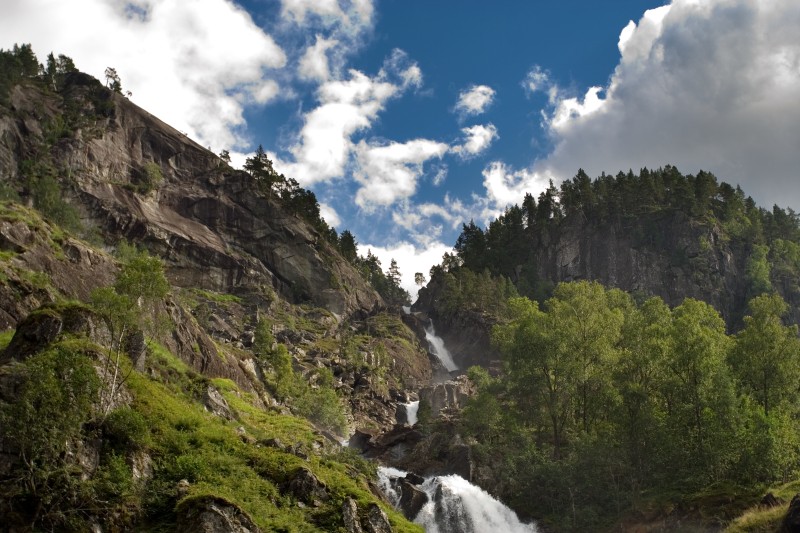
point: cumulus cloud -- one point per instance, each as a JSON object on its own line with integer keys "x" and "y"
{"x": 177, "y": 58}
{"x": 477, "y": 139}
{"x": 505, "y": 185}
{"x": 475, "y": 100}
{"x": 703, "y": 85}
{"x": 314, "y": 64}
{"x": 388, "y": 173}
{"x": 324, "y": 146}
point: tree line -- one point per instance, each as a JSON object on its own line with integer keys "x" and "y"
{"x": 637, "y": 203}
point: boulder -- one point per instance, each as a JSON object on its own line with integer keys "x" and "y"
{"x": 376, "y": 520}
{"x": 411, "y": 499}
{"x": 216, "y": 404}
{"x": 307, "y": 488}
{"x": 44, "y": 326}
{"x": 210, "y": 514}
{"x": 350, "y": 516}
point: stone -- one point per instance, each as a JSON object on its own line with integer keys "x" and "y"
{"x": 307, "y": 488}
{"x": 210, "y": 514}
{"x": 216, "y": 404}
{"x": 376, "y": 520}
{"x": 412, "y": 499}
{"x": 414, "y": 479}
{"x": 770, "y": 500}
{"x": 350, "y": 516}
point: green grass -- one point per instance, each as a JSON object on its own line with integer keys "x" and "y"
{"x": 217, "y": 297}
{"x": 189, "y": 443}
{"x": 5, "y": 338}
{"x": 758, "y": 519}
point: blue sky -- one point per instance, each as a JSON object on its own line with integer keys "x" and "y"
{"x": 408, "y": 118}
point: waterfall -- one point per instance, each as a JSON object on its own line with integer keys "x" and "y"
{"x": 411, "y": 412}
{"x": 455, "y": 506}
{"x": 438, "y": 348}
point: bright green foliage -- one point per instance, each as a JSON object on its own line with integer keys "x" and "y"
{"x": 604, "y": 402}
{"x": 142, "y": 278}
{"x": 55, "y": 400}
{"x": 699, "y": 387}
{"x": 766, "y": 358}
{"x": 149, "y": 178}
{"x": 757, "y": 271}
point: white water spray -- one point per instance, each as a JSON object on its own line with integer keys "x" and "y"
{"x": 412, "y": 408}
{"x": 438, "y": 348}
{"x": 456, "y": 506}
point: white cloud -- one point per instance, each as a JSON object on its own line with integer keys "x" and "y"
{"x": 410, "y": 259}
{"x": 325, "y": 146}
{"x": 440, "y": 176}
{"x": 709, "y": 85}
{"x": 330, "y": 215}
{"x": 314, "y": 63}
{"x": 537, "y": 79}
{"x": 570, "y": 109}
{"x": 388, "y": 173}
{"x": 475, "y": 100}
{"x": 329, "y": 12}
{"x": 178, "y": 58}
{"x": 505, "y": 186}
{"x": 478, "y": 138}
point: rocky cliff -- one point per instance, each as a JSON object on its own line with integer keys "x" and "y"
{"x": 208, "y": 221}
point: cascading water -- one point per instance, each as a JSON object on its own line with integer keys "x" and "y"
{"x": 438, "y": 348}
{"x": 456, "y": 506}
{"x": 412, "y": 408}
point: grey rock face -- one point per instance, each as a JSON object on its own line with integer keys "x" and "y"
{"x": 213, "y": 515}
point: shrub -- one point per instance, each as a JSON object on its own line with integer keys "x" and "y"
{"x": 126, "y": 429}
{"x": 149, "y": 178}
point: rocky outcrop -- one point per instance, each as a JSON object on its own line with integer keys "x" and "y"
{"x": 44, "y": 326}
{"x": 667, "y": 255}
{"x": 412, "y": 498}
{"x": 307, "y": 488}
{"x": 44, "y": 259}
{"x": 352, "y": 524}
{"x": 376, "y": 520}
{"x": 447, "y": 397}
{"x": 210, "y": 514}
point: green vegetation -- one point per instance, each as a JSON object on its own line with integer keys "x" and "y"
{"x": 648, "y": 207}
{"x": 148, "y": 179}
{"x": 605, "y": 405}
{"x": 190, "y": 454}
{"x": 311, "y": 396}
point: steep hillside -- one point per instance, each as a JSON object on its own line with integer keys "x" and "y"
{"x": 182, "y": 346}
{"x": 131, "y": 176}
